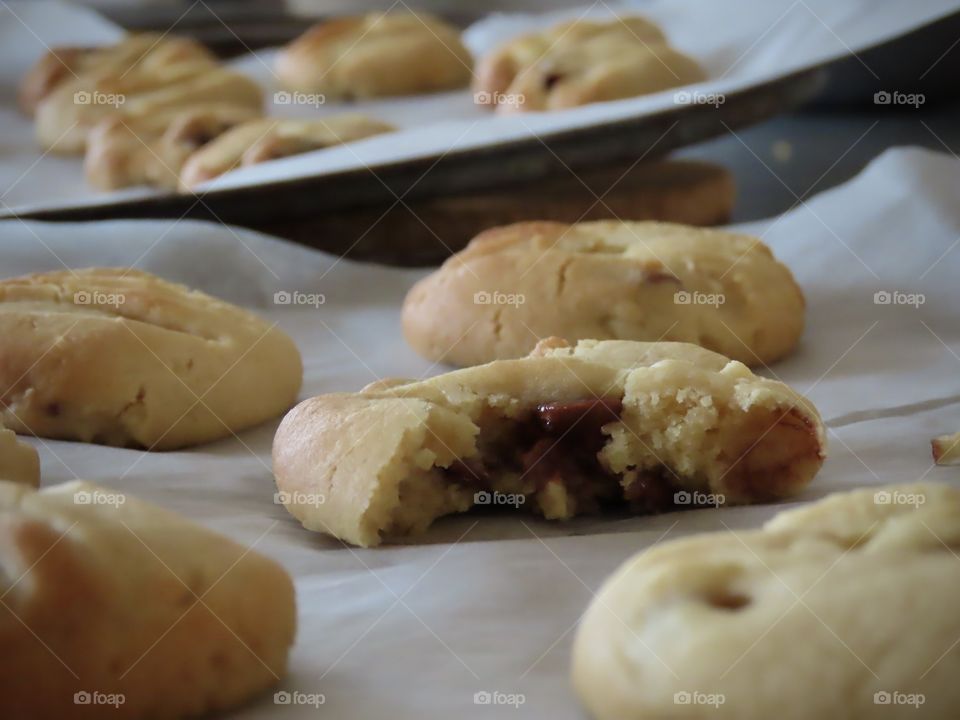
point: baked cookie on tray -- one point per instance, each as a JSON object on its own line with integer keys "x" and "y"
{"x": 121, "y": 357}
{"x": 271, "y": 138}
{"x": 113, "y": 607}
{"x": 565, "y": 431}
{"x": 605, "y": 280}
{"x": 151, "y": 150}
{"x": 842, "y": 608}
{"x": 19, "y": 462}
{"x": 374, "y": 55}
{"x": 66, "y": 115}
{"x": 580, "y": 62}
{"x": 147, "y": 52}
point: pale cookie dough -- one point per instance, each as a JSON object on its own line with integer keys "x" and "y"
{"x": 19, "y": 462}
{"x": 843, "y": 608}
{"x": 121, "y": 357}
{"x": 151, "y": 150}
{"x": 377, "y": 54}
{"x": 116, "y": 608}
{"x": 621, "y": 425}
{"x": 580, "y": 62}
{"x": 68, "y": 113}
{"x": 605, "y": 280}
{"x": 271, "y": 138}
{"x": 946, "y": 449}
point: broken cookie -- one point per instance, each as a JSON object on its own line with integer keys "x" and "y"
{"x": 629, "y": 426}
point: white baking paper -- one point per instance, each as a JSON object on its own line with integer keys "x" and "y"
{"x": 488, "y": 603}
{"x": 757, "y": 41}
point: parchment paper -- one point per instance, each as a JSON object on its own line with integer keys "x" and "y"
{"x": 764, "y": 40}
{"x": 488, "y": 603}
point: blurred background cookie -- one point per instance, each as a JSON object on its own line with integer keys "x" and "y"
{"x": 580, "y": 62}
{"x": 374, "y": 55}
{"x": 271, "y": 138}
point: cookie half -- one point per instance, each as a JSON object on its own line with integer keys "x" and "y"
{"x": 844, "y": 606}
{"x": 627, "y": 426}
{"x": 112, "y": 607}
{"x": 605, "y": 280}
{"x": 121, "y": 357}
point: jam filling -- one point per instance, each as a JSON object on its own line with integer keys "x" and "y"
{"x": 559, "y": 443}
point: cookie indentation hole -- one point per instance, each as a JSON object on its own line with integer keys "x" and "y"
{"x": 726, "y": 599}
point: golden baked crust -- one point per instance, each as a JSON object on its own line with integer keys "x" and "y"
{"x": 151, "y": 150}
{"x": 67, "y": 114}
{"x": 605, "y": 280}
{"x": 946, "y": 449}
{"x": 374, "y": 55}
{"x": 125, "y": 358}
{"x": 271, "y": 138}
{"x": 568, "y": 430}
{"x": 106, "y": 594}
{"x": 19, "y": 462}
{"x": 147, "y": 51}
{"x": 846, "y": 603}
{"x": 579, "y": 62}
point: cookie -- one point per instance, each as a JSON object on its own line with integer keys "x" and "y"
{"x": 19, "y": 462}
{"x": 146, "y": 51}
{"x": 375, "y": 55}
{"x": 151, "y": 150}
{"x": 66, "y": 116}
{"x": 605, "y": 280}
{"x": 844, "y": 606}
{"x": 642, "y": 427}
{"x": 946, "y": 449}
{"x": 121, "y": 357}
{"x": 580, "y": 62}
{"x": 113, "y": 607}
{"x": 271, "y": 138}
